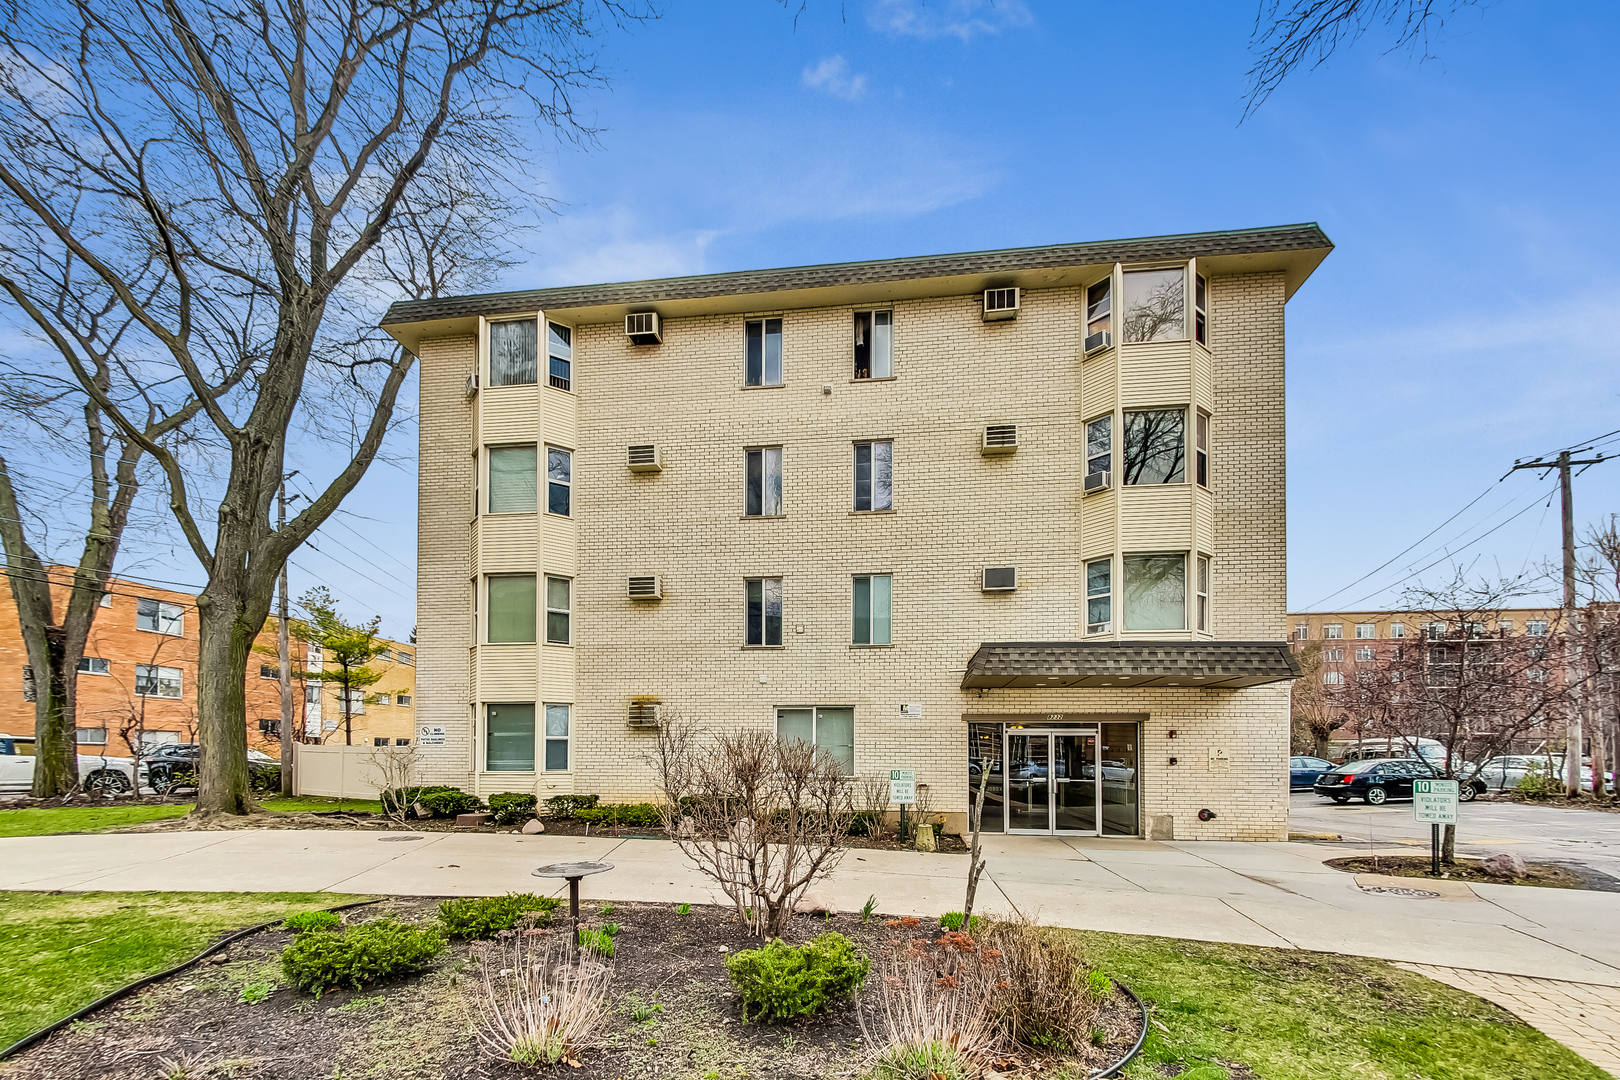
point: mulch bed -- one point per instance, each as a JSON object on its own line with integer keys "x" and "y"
{"x": 1546, "y": 875}
{"x": 425, "y": 1027}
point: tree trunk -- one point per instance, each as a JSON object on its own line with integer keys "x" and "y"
{"x": 56, "y": 768}
{"x": 1321, "y": 745}
{"x": 225, "y": 640}
{"x": 975, "y": 864}
{"x": 1448, "y": 845}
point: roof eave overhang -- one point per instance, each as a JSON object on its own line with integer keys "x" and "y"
{"x": 1112, "y": 665}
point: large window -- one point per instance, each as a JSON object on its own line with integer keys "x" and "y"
{"x": 513, "y": 348}
{"x": 874, "y": 344}
{"x": 874, "y": 475}
{"x": 872, "y": 604}
{"x": 1156, "y": 592}
{"x": 764, "y": 610}
{"x": 560, "y": 349}
{"x": 559, "y": 481}
{"x": 160, "y": 618}
{"x": 152, "y": 681}
{"x": 1100, "y": 596}
{"x": 764, "y": 475}
{"x": 1155, "y": 446}
{"x": 557, "y": 611}
{"x": 763, "y": 341}
{"x": 1155, "y": 305}
{"x": 513, "y": 478}
{"x": 511, "y": 609}
{"x": 509, "y": 738}
{"x": 1099, "y": 445}
{"x": 828, "y": 729}
{"x": 557, "y": 738}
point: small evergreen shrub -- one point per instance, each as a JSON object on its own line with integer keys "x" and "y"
{"x": 449, "y": 803}
{"x": 512, "y": 807}
{"x": 482, "y": 917}
{"x": 1538, "y": 784}
{"x": 400, "y": 800}
{"x": 782, "y": 981}
{"x": 635, "y": 815}
{"x": 359, "y": 956}
{"x": 300, "y": 922}
{"x": 564, "y": 807}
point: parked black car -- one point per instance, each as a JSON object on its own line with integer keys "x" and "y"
{"x": 1382, "y": 779}
{"x": 174, "y": 765}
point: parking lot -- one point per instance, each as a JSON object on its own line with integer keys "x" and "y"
{"x": 1548, "y": 833}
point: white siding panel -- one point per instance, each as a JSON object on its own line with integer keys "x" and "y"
{"x": 1097, "y": 384}
{"x": 509, "y": 414}
{"x": 1157, "y": 374}
{"x": 1157, "y": 518}
{"x": 507, "y": 543}
{"x": 507, "y": 672}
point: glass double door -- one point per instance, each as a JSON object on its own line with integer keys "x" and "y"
{"x": 1052, "y": 781}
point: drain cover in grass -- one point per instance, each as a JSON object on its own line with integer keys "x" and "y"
{"x": 1390, "y": 890}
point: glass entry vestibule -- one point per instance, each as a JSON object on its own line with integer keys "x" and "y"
{"x": 1060, "y": 778}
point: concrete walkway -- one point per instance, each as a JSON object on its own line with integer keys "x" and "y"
{"x": 1261, "y": 894}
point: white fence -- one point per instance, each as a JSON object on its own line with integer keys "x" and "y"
{"x": 336, "y": 772}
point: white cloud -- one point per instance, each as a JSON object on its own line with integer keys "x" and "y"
{"x": 613, "y": 244}
{"x": 832, "y": 76}
{"x": 964, "y": 19}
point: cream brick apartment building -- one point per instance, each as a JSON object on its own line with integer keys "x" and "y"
{"x": 1020, "y": 510}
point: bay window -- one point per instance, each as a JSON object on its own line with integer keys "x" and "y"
{"x": 513, "y": 348}
{"x": 513, "y": 479}
{"x": 1155, "y": 305}
{"x": 509, "y": 737}
{"x": 511, "y": 609}
{"x": 1100, "y": 596}
{"x": 1156, "y": 592}
{"x": 1155, "y": 446}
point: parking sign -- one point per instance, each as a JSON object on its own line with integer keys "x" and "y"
{"x": 1435, "y": 801}
{"x": 902, "y": 786}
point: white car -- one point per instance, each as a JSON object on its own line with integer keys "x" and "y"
{"x": 99, "y": 773}
{"x": 1505, "y": 772}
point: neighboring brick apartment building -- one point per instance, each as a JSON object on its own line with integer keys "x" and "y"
{"x": 138, "y": 677}
{"x": 943, "y": 513}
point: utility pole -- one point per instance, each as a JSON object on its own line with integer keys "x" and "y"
{"x": 1574, "y": 736}
{"x": 284, "y": 653}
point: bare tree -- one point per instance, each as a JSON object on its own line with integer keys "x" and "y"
{"x": 1289, "y": 34}
{"x": 763, "y": 817}
{"x": 1314, "y": 706}
{"x": 247, "y": 183}
{"x": 1597, "y": 583}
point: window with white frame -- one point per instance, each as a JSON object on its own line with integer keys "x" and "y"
{"x": 509, "y": 737}
{"x": 511, "y": 609}
{"x": 1155, "y": 447}
{"x": 1202, "y": 443}
{"x": 379, "y": 740}
{"x": 1332, "y": 678}
{"x": 874, "y": 344}
{"x": 1364, "y": 654}
{"x": 1397, "y": 630}
{"x": 106, "y": 599}
{"x": 1100, "y": 596}
{"x": 1302, "y": 632}
{"x": 1155, "y": 307}
{"x": 560, "y": 356}
{"x": 764, "y": 610}
{"x": 1156, "y": 592}
{"x": 312, "y": 694}
{"x": 355, "y": 700}
{"x": 1536, "y": 675}
{"x": 1434, "y": 631}
{"x": 559, "y": 481}
{"x": 154, "y": 681}
{"x": 1333, "y": 631}
{"x": 557, "y": 611}
{"x": 407, "y": 658}
{"x": 269, "y": 671}
{"x": 1201, "y": 602}
{"x": 1333, "y": 656}
{"x": 1099, "y": 311}
{"x": 402, "y": 699}
{"x": 873, "y": 602}
{"x": 874, "y": 475}
{"x": 1366, "y": 630}
{"x": 1536, "y": 627}
{"x": 513, "y": 353}
{"x": 385, "y": 654}
{"x": 1099, "y": 445}
{"x": 831, "y": 729}
{"x": 513, "y": 479}
{"x": 1504, "y": 627}
{"x": 762, "y": 339}
{"x": 763, "y": 475}
{"x": 1200, "y": 309}
{"x": 159, "y": 617}
{"x": 557, "y": 736}
{"x": 90, "y": 736}
{"x": 94, "y": 665}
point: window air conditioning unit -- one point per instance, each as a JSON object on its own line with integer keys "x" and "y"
{"x": 645, "y": 588}
{"x": 644, "y": 715}
{"x": 999, "y": 439}
{"x": 644, "y": 328}
{"x": 1100, "y": 340}
{"x": 472, "y": 385}
{"x": 1000, "y": 304}
{"x": 644, "y": 459}
{"x": 1099, "y": 481}
{"x": 1000, "y": 578}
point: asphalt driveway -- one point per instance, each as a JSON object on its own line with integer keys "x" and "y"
{"x": 1589, "y": 838}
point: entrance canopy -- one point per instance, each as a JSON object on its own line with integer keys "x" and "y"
{"x": 1097, "y": 664}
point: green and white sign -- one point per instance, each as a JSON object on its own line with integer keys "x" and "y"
{"x": 903, "y": 786}
{"x": 1435, "y": 801}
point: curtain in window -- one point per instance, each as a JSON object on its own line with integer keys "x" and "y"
{"x": 509, "y": 738}
{"x": 1155, "y": 592}
{"x": 513, "y": 479}
{"x": 511, "y": 608}
{"x": 514, "y": 353}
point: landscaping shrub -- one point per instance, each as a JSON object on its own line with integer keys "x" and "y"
{"x": 266, "y": 780}
{"x": 952, "y": 920}
{"x": 599, "y": 942}
{"x": 1538, "y": 784}
{"x": 400, "y": 800}
{"x": 934, "y": 1006}
{"x": 482, "y": 917}
{"x": 635, "y": 815}
{"x": 302, "y": 921}
{"x": 512, "y": 807}
{"x": 541, "y": 1008}
{"x": 363, "y": 954}
{"x": 782, "y": 981}
{"x": 564, "y": 807}
{"x": 1045, "y": 1003}
{"x": 449, "y": 802}
{"x": 925, "y": 1061}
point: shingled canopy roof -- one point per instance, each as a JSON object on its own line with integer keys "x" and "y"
{"x": 1095, "y": 664}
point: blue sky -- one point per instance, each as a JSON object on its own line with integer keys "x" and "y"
{"x": 1463, "y": 321}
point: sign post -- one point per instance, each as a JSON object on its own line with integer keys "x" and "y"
{"x": 1435, "y": 801}
{"x": 903, "y": 790}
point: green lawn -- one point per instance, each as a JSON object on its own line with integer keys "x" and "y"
{"x": 43, "y": 821}
{"x": 1243, "y": 1012}
{"x": 61, "y": 952}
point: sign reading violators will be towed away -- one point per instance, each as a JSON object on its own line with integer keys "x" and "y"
{"x": 1435, "y": 801}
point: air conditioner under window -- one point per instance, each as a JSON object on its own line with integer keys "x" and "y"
{"x": 472, "y": 385}
{"x": 645, "y": 588}
{"x": 645, "y": 715}
{"x": 999, "y": 439}
{"x": 644, "y": 459}
{"x": 1100, "y": 340}
{"x": 1000, "y": 579}
{"x": 1099, "y": 481}
{"x": 644, "y": 328}
{"x": 1000, "y": 304}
